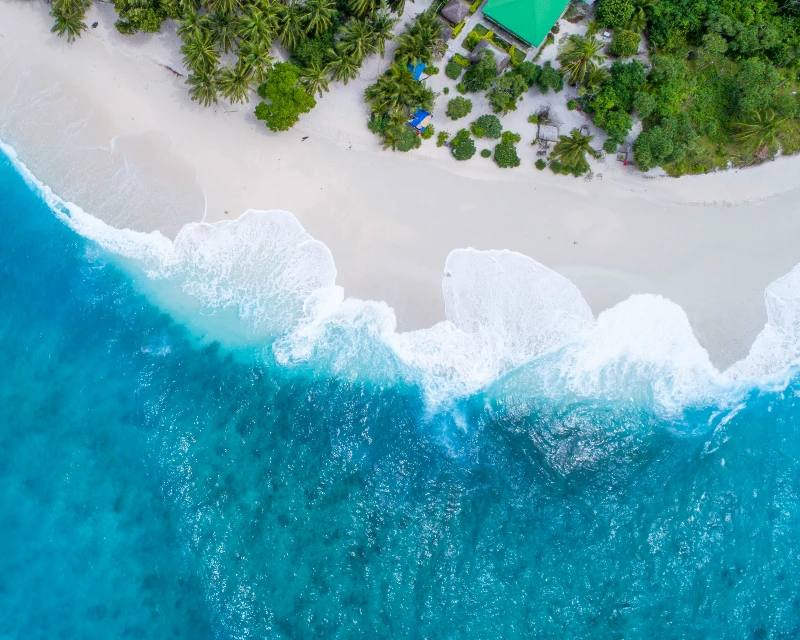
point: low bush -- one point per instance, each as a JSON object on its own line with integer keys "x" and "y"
{"x": 572, "y": 105}
{"x": 428, "y": 133}
{"x": 625, "y": 44}
{"x": 431, "y": 70}
{"x": 533, "y": 119}
{"x": 460, "y": 60}
{"x": 442, "y": 138}
{"x": 463, "y": 146}
{"x": 505, "y": 155}
{"x": 461, "y": 87}
{"x": 486, "y": 153}
{"x": 458, "y": 107}
{"x": 487, "y": 126}
{"x": 610, "y": 146}
{"x": 453, "y": 70}
{"x": 556, "y": 28}
{"x": 407, "y": 140}
{"x": 509, "y": 137}
{"x": 541, "y": 164}
{"x": 446, "y": 90}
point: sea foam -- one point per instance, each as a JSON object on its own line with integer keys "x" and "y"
{"x": 503, "y": 310}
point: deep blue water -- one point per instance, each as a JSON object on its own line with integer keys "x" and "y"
{"x": 155, "y": 484}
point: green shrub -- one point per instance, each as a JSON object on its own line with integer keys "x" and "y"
{"x": 313, "y": 50}
{"x": 460, "y": 60}
{"x": 509, "y": 137}
{"x": 446, "y": 90}
{"x": 431, "y": 70}
{"x": 442, "y": 138}
{"x": 625, "y": 43}
{"x": 541, "y": 164}
{"x": 461, "y": 87}
{"x": 505, "y": 155}
{"x": 610, "y": 146}
{"x": 486, "y": 153}
{"x": 407, "y": 139}
{"x": 556, "y": 28}
{"x": 453, "y": 70}
{"x": 458, "y": 107}
{"x": 482, "y": 73}
{"x": 572, "y": 105}
{"x": 549, "y": 78}
{"x": 463, "y": 146}
{"x": 471, "y": 41}
{"x": 644, "y": 103}
{"x": 487, "y": 126}
{"x": 615, "y": 13}
{"x": 533, "y": 119}
{"x": 428, "y": 133}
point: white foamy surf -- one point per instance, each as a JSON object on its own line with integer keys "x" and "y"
{"x": 503, "y": 310}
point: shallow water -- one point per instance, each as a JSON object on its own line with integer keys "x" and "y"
{"x": 160, "y": 480}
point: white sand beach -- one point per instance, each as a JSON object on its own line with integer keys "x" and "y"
{"x": 107, "y": 124}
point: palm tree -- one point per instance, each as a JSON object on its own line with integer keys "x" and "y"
{"x": 192, "y": 23}
{"x": 224, "y": 27}
{"x": 643, "y": 9}
{"x": 256, "y": 56}
{"x": 199, "y": 52}
{"x": 571, "y": 150}
{"x": 223, "y": 6}
{"x": 396, "y": 6}
{"x": 69, "y": 24}
{"x": 234, "y": 82}
{"x": 342, "y": 66}
{"x": 381, "y": 24}
{"x": 578, "y": 56}
{"x": 315, "y": 79}
{"x": 358, "y": 40}
{"x": 290, "y": 26}
{"x": 203, "y": 86}
{"x": 759, "y": 133}
{"x": 592, "y": 81}
{"x": 361, "y": 8}
{"x": 257, "y": 25}
{"x": 318, "y": 15}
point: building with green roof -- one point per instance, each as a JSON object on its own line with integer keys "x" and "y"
{"x": 528, "y": 20}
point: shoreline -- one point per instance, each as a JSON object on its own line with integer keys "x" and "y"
{"x": 116, "y": 134}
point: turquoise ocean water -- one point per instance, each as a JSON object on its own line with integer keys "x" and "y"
{"x": 159, "y": 481}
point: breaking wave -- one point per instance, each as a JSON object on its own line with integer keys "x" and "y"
{"x": 263, "y": 280}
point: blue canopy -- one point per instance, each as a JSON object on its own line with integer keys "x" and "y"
{"x": 420, "y": 120}
{"x": 416, "y": 70}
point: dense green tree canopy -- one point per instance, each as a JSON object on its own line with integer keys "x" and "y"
{"x": 286, "y": 99}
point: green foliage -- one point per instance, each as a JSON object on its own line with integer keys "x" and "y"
{"x": 665, "y": 143}
{"x": 572, "y": 105}
{"x": 615, "y": 13}
{"x": 461, "y": 60}
{"x": 69, "y": 18}
{"x": 610, "y": 146}
{"x": 287, "y": 100}
{"x": 442, "y": 138}
{"x": 505, "y": 93}
{"x": 458, "y": 107}
{"x": 644, "y": 104}
{"x": 540, "y": 164}
{"x": 625, "y": 43}
{"x": 453, "y": 70}
{"x": 428, "y": 133}
{"x": 505, "y": 154}
{"x": 549, "y": 78}
{"x": 481, "y": 74}
{"x": 569, "y": 154}
{"x": 461, "y": 88}
{"x": 579, "y": 56}
{"x": 612, "y": 103}
{"x": 407, "y": 139}
{"x": 756, "y": 86}
{"x": 509, "y": 137}
{"x": 420, "y": 43}
{"x": 313, "y": 50}
{"x": 462, "y": 146}
{"x": 486, "y": 153}
{"x": 144, "y": 15}
{"x": 533, "y": 119}
{"x": 487, "y": 126}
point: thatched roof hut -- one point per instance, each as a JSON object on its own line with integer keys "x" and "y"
{"x": 455, "y": 11}
{"x": 548, "y": 132}
{"x": 445, "y": 32}
{"x": 501, "y": 57}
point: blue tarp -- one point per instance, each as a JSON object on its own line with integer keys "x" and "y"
{"x": 420, "y": 120}
{"x": 417, "y": 70}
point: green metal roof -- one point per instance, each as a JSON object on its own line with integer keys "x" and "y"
{"x": 529, "y": 20}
